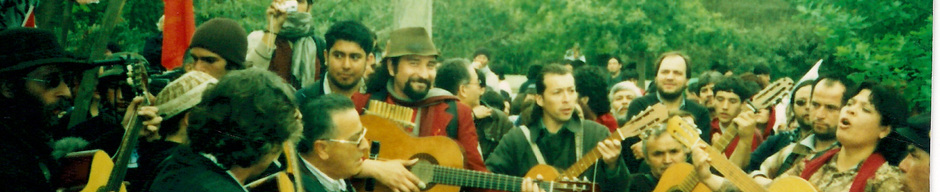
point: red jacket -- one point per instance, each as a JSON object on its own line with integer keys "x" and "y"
{"x": 755, "y": 142}
{"x": 434, "y": 121}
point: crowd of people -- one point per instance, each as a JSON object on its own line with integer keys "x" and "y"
{"x": 226, "y": 115}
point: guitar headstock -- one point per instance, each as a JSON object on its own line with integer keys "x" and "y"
{"x": 683, "y": 131}
{"x": 652, "y": 116}
{"x": 137, "y": 75}
{"x": 769, "y": 95}
{"x": 569, "y": 185}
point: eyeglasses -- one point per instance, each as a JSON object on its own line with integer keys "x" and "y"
{"x": 356, "y": 143}
{"x": 51, "y": 80}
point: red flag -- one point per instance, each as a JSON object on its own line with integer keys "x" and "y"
{"x": 178, "y": 28}
{"x": 30, "y": 20}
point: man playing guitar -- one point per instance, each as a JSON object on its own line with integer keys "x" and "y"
{"x": 555, "y": 135}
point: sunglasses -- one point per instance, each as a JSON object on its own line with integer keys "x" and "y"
{"x": 52, "y": 80}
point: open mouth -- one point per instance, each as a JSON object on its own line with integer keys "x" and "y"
{"x": 844, "y": 122}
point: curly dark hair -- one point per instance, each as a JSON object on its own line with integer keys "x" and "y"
{"x": 591, "y": 82}
{"x": 249, "y": 114}
{"x": 894, "y": 112}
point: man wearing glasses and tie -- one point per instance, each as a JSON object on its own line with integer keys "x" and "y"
{"x": 333, "y": 143}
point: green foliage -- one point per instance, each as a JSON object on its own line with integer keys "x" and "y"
{"x": 884, "y": 41}
{"x": 887, "y": 41}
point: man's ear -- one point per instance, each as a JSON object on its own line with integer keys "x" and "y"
{"x": 6, "y": 88}
{"x": 539, "y": 100}
{"x": 390, "y": 67}
{"x": 461, "y": 91}
{"x": 584, "y": 100}
{"x": 370, "y": 59}
{"x": 326, "y": 54}
{"x": 319, "y": 148}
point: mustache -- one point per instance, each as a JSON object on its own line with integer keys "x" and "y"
{"x": 419, "y": 80}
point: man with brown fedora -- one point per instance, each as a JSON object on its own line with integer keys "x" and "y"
{"x": 405, "y": 78}
{"x": 34, "y": 88}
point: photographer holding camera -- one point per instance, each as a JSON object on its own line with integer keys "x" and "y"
{"x": 288, "y": 46}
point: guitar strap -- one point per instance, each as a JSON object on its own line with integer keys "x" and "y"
{"x": 865, "y": 172}
{"x": 578, "y": 140}
{"x": 535, "y": 148}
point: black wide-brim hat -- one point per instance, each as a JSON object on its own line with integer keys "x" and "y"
{"x": 27, "y": 48}
{"x": 917, "y": 131}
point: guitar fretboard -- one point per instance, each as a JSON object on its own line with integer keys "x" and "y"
{"x": 649, "y": 117}
{"x": 484, "y": 180}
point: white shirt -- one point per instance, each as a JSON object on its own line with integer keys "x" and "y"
{"x": 330, "y": 184}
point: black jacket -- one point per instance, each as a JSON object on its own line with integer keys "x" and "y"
{"x": 492, "y": 129}
{"x": 310, "y": 92}
{"x": 311, "y": 184}
{"x": 189, "y": 171}
{"x": 26, "y": 163}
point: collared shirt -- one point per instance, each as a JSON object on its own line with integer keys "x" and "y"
{"x": 681, "y": 105}
{"x": 216, "y": 162}
{"x": 330, "y": 184}
{"x": 557, "y": 148}
{"x": 805, "y": 148}
{"x": 808, "y": 146}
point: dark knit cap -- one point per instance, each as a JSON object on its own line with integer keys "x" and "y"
{"x": 26, "y": 48}
{"x": 224, "y": 37}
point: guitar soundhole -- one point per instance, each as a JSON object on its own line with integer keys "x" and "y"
{"x": 430, "y": 159}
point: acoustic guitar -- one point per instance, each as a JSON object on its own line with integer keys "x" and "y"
{"x": 89, "y": 171}
{"x": 680, "y": 170}
{"x": 651, "y": 116}
{"x": 767, "y": 97}
{"x": 441, "y": 162}
{"x": 282, "y": 181}
{"x": 686, "y": 134}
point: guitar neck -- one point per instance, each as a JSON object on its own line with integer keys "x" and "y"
{"x": 476, "y": 179}
{"x": 732, "y": 172}
{"x": 586, "y": 161}
{"x": 591, "y": 157}
{"x": 726, "y": 137}
{"x": 468, "y": 178}
{"x": 123, "y": 155}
